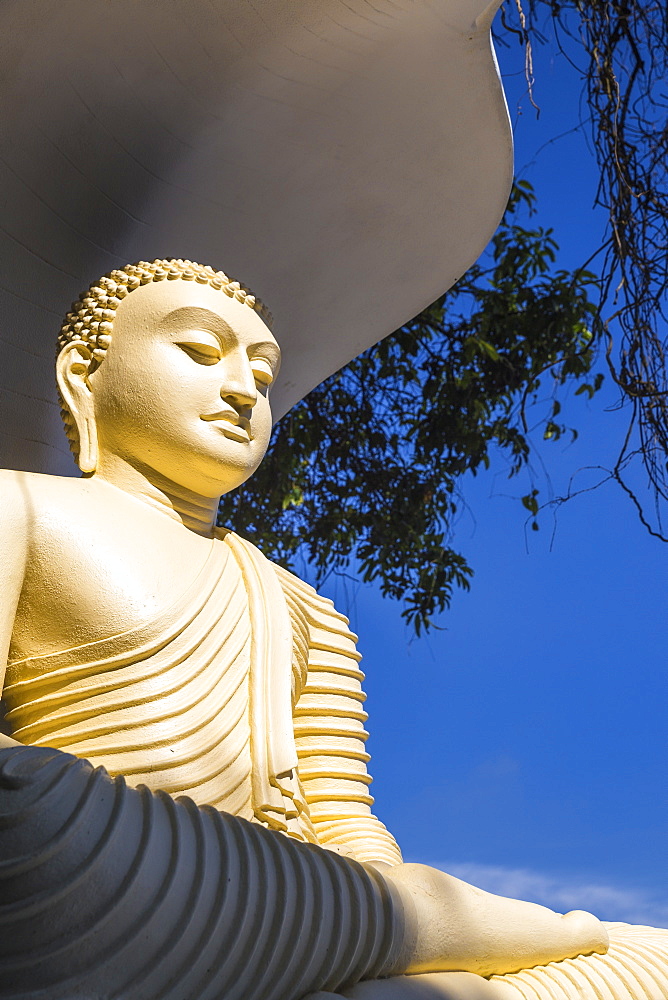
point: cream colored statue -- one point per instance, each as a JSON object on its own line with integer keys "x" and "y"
{"x": 140, "y": 637}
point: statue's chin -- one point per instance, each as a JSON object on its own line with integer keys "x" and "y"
{"x": 228, "y": 476}
{"x": 188, "y": 470}
{"x": 222, "y": 470}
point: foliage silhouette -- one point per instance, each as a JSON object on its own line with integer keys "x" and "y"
{"x": 366, "y": 466}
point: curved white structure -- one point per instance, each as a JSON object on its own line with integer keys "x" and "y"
{"x": 347, "y": 159}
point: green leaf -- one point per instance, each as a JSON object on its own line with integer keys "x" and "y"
{"x": 530, "y": 502}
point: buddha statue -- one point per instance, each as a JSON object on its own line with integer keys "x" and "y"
{"x": 184, "y": 797}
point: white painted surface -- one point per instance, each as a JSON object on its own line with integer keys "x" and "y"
{"x": 347, "y": 160}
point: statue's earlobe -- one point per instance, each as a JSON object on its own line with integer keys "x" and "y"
{"x": 72, "y": 371}
{"x": 87, "y": 458}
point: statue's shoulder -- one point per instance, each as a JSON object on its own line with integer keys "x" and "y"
{"x": 319, "y": 610}
{"x": 19, "y": 512}
{"x": 45, "y": 512}
{"x": 29, "y": 494}
{"x": 14, "y": 479}
{"x": 32, "y": 483}
{"x": 18, "y": 491}
{"x": 292, "y": 584}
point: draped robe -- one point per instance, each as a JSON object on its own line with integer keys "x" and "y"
{"x": 245, "y": 694}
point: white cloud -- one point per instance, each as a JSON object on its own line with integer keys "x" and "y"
{"x": 609, "y": 902}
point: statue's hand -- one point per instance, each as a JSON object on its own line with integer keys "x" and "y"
{"x": 460, "y": 927}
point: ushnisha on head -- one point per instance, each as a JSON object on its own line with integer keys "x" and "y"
{"x": 145, "y": 357}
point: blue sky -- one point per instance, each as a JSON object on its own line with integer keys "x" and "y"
{"x": 523, "y": 747}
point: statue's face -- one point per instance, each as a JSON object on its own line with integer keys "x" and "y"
{"x": 183, "y": 389}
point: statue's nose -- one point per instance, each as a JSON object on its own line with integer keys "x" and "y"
{"x": 239, "y": 388}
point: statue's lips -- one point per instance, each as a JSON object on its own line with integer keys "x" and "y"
{"x": 233, "y": 427}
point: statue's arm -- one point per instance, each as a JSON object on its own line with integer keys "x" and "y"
{"x": 329, "y": 730}
{"x": 131, "y": 893}
{"x": 13, "y": 556}
{"x": 137, "y": 894}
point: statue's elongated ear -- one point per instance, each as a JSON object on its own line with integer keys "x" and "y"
{"x": 72, "y": 371}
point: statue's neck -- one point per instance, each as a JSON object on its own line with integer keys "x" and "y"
{"x": 196, "y": 512}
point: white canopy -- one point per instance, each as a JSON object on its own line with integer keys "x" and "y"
{"x": 347, "y": 159}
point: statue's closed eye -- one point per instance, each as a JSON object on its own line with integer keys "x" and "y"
{"x": 263, "y": 371}
{"x": 202, "y": 352}
{"x": 206, "y": 353}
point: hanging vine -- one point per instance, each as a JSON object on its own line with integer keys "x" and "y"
{"x": 620, "y": 48}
